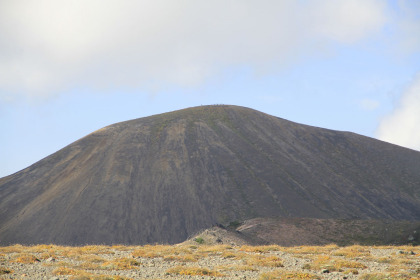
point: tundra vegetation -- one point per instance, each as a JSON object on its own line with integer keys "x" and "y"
{"x": 198, "y": 260}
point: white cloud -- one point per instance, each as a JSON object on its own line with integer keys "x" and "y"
{"x": 52, "y": 45}
{"x": 402, "y": 126}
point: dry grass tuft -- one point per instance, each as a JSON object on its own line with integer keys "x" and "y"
{"x": 57, "y": 264}
{"x": 99, "y": 277}
{"x": 17, "y": 248}
{"x": 79, "y": 262}
{"x": 116, "y": 264}
{"x": 40, "y": 248}
{"x": 91, "y": 258}
{"x": 158, "y": 251}
{"x": 193, "y": 271}
{"x": 122, "y": 248}
{"x": 5, "y": 270}
{"x": 287, "y": 275}
{"x": 260, "y": 249}
{"x": 78, "y": 274}
{"x": 74, "y": 252}
{"x": 92, "y": 249}
{"x": 121, "y": 264}
{"x": 213, "y": 250}
{"x": 62, "y": 270}
{"x": 233, "y": 255}
{"x": 167, "y": 252}
{"x": 25, "y": 258}
{"x": 312, "y": 250}
{"x": 377, "y": 276}
{"x": 352, "y": 251}
{"x": 181, "y": 258}
{"x": 333, "y": 264}
{"x": 266, "y": 261}
{"x": 236, "y": 268}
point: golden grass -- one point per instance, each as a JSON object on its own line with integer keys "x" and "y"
{"x": 78, "y": 274}
{"x": 66, "y": 251}
{"x": 60, "y": 263}
{"x": 40, "y": 248}
{"x": 77, "y": 251}
{"x": 91, "y": 258}
{"x": 181, "y": 253}
{"x": 352, "y": 251}
{"x": 260, "y": 249}
{"x": 168, "y": 253}
{"x": 389, "y": 276}
{"x": 159, "y": 251}
{"x": 236, "y": 268}
{"x": 62, "y": 270}
{"x": 121, "y": 264}
{"x": 315, "y": 250}
{"x": 399, "y": 262}
{"x": 47, "y": 255}
{"x": 101, "y": 264}
{"x": 287, "y": 275}
{"x": 193, "y": 271}
{"x": 99, "y": 277}
{"x": 212, "y": 250}
{"x": 25, "y": 258}
{"x": 393, "y": 260}
{"x": 17, "y": 248}
{"x": 333, "y": 264}
{"x": 122, "y": 248}
{"x": 232, "y": 255}
{"x": 266, "y": 261}
{"x": 181, "y": 258}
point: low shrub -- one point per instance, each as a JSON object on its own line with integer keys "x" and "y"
{"x": 193, "y": 271}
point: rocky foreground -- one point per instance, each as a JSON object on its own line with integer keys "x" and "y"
{"x": 208, "y": 257}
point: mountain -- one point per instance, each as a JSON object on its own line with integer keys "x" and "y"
{"x": 165, "y": 177}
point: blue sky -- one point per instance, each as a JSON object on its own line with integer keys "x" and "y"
{"x": 68, "y": 68}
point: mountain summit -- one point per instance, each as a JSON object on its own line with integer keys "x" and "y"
{"x": 164, "y": 177}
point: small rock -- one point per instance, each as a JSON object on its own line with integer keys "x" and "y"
{"x": 50, "y": 259}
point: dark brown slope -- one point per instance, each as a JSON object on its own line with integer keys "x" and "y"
{"x": 310, "y": 231}
{"x": 164, "y": 177}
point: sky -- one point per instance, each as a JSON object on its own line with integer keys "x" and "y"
{"x": 68, "y": 68}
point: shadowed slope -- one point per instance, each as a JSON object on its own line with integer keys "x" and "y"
{"x": 164, "y": 177}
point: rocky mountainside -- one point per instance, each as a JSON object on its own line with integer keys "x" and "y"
{"x": 165, "y": 177}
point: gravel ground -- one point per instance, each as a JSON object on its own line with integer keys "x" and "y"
{"x": 226, "y": 262}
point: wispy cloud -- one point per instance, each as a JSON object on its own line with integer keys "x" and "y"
{"x": 48, "y": 46}
{"x": 402, "y": 126}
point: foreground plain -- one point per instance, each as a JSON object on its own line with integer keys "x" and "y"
{"x": 196, "y": 260}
